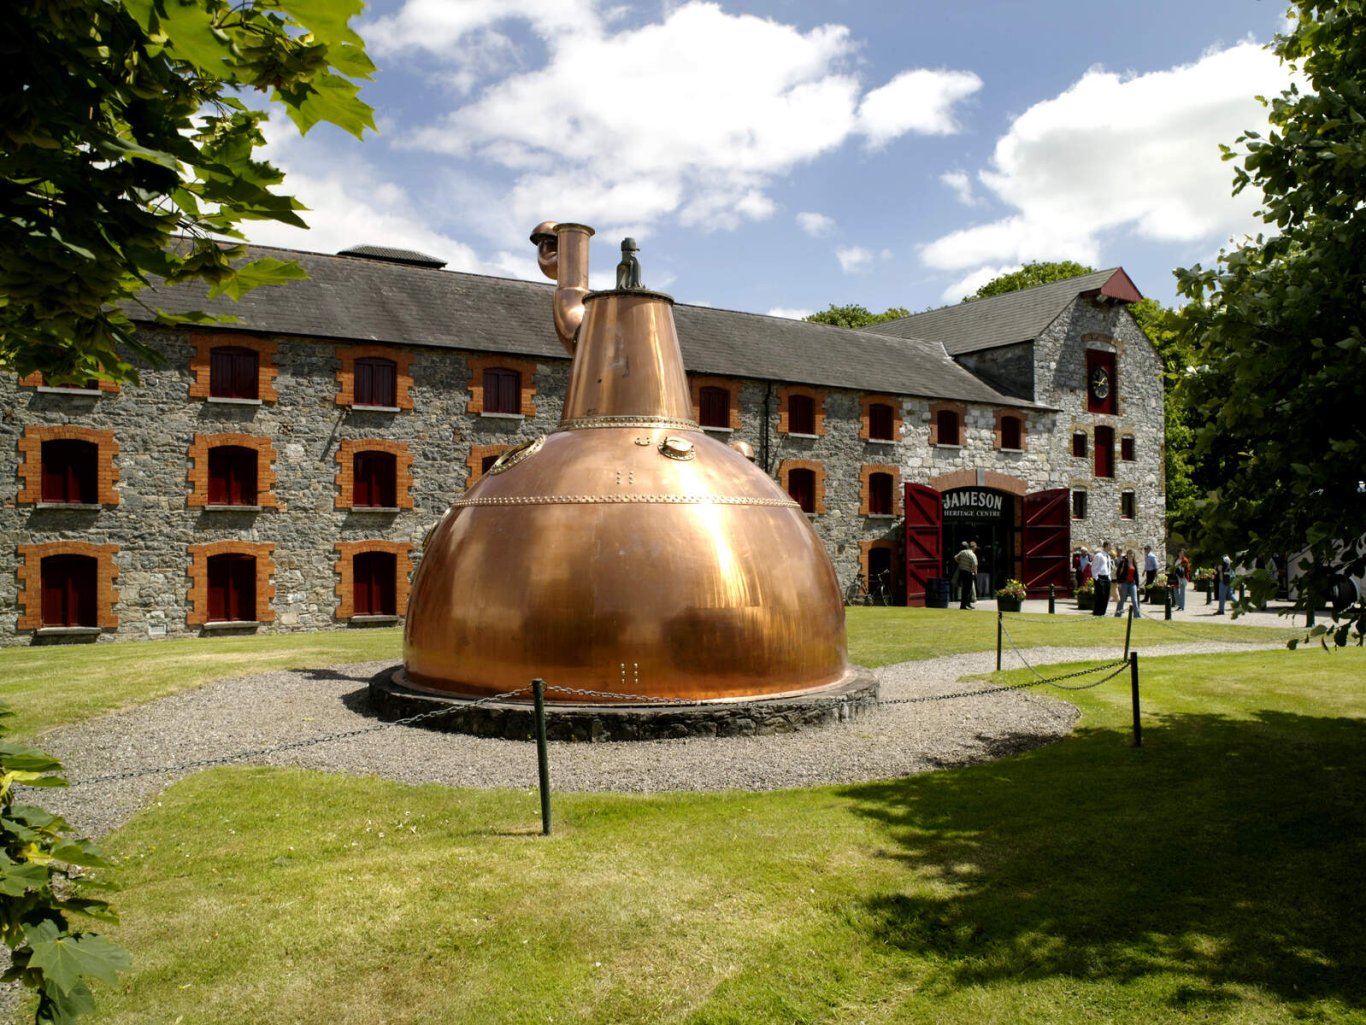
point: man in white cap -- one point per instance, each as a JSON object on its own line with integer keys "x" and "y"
{"x": 1100, "y": 572}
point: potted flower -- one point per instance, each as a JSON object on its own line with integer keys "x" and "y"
{"x": 1086, "y": 594}
{"x": 1203, "y": 579}
{"x": 1008, "y": 598}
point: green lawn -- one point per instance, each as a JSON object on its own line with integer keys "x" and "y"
{"x": 1214, "y": 875}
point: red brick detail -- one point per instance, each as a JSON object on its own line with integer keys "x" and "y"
{"x": 403, "y": 567}
{"x": 957, "y": 407}
{"x": 818, "y": 398}
{"x": 30, "y": 577}
{"x": 733, "y": 387}
{"x": 1019, "y": 415}
{"x": 31, "y": 464}
{"x": 954, "y": 479}
{"x": 198, "y": 472}
{"x": 198, "y": 573}
{"x": 865, "y": 474}
{"x": 527, "y": 370}
{"x": 346, "y": 373}
{"x": 885, "y": 400}
{"x": 266, "y": 371}
{"x": 346, "y": 468}
{"x": 788, "y": 465}
{"x": 475, "y": 460}
{"x": 1005, "y": 482}
{"x": 865, "y": 547}
{"x": 35, "y": 380}
{"x": 968, "y": 479}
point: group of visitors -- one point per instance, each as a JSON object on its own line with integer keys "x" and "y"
{"x": 1113, "y": 569}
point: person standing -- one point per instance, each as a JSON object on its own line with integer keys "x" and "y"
{"x": 1127, "y": 577}
{"x": 1149, "y": 567}
{"x": 1223, "y": 582}
{"x": 1100, "y": 572}
{"x": 966, "y": 561}
{"x": 1183, "y": 574}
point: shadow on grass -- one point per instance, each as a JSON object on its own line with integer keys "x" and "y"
{"x": 1227, "y": 850}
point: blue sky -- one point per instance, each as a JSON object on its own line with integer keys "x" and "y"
{"x": 776, "y": 156}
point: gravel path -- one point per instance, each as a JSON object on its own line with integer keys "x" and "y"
{"x": 273, "y": 708}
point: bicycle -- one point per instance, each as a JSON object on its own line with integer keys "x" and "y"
{"x": 859, "y": 593}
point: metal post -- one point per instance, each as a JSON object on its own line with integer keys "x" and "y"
{"x": 542, "y": 754}
{"x": 1209, "y": 591}
{"x": 999, "y": 616}
{"x": 1167, "y": 603}
{"x": 1052, "y": 599}
{"x": 1128, "y": 629}
{"x": 1133, "y": 682}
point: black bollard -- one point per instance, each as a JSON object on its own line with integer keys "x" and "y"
{"x": 1128, "y": 629}
{"x": 1133, "y": 686}
{"x": 542, "y": 754}
{"x": 999, "y": 627}
{"x": 1167, "y": 604}
{"x": 1052, "y": 599}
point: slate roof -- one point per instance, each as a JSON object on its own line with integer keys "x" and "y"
{"x": 352, "y": 298}
{"x": 1010, "y": 318}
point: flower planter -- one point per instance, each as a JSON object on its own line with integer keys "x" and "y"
{"x": 1008, "y": 604}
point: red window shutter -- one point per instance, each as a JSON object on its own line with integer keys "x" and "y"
{"x": 1010, "y": 432}
{"x": 234, "y": 373}
{"x": 70, "y": 471}
{"x": 232, "y": 588}
{"x": 801, "y": 486}
{"x": 375, "y": 382}
{"x": 502, "y": 390}
{"x": 69, "y": 590}
{"x": 1126, "y": 449}
{"x": 232, "y": 475}
{"x": 880, "y": 494}
{"x": 373, "y": 576}
{"x": 947, "y": 422}
{"x": 374, "y": 480}
{"x": 713, "y": 406}
{"x": 801, "y": 414}
{"x": 1079, "y": 445}
{"x": 1105, "y": 451}
{"x": 880, "y": 422}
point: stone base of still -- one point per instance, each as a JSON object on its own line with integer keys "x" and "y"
{"x": 852, "y": 697}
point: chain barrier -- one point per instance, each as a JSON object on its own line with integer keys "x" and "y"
{"x": 294, "y": 745}
{"x": 1249, "y": 641}
{"x": 617, "y": 697}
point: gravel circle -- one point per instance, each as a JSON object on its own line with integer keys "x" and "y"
{"x": 254, "y": 712}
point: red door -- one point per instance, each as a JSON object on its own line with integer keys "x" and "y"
{"x": 924, "y": 540}
{"x": 1047, "y": 542}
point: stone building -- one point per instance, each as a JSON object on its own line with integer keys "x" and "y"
{"x": 280, "y": 473}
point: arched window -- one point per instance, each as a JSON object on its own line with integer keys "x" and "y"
{"x": 801, "y": 414}
{"x": 376, "y": 382}
{"x": 374, "y": 480}
{"x": 372, "y": 583}
{"x": 801, "y": 486}
{"x": 232, "y": 588}
{"x": 1011, "y": 432}
{"x": 713, "y": 406}
{"x": 232, "y": 475}
{"x": 880, "y": 494}
{"x": 234, "y": 373}
{"x": 881, "y": 420}
{"x": 502, "y": 390}
{"x": 70, "y": 472}
{"x": 69, "y": 590}
{"x": 947, "y": 427}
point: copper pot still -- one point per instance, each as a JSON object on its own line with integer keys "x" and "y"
{"x": 627, "y": 553}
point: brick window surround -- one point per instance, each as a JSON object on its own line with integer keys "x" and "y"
{"x": 733, "y": 405}
{"x": 198, "y": 573}
{"x": 817, "y": 398}
{"x": 818, "y": 471}
{"x": 202, "y": 360}
{"x": 346, "y": 468}
{"x": 866, "y": 402}
{"x": 948, "y": 407}
{"x": 865, "y": 474}
{"x": 403, "y": 568}
{"x": 865, "y": 548}
{"x": 479, "y": 454}
{"x": 1009, "y": 414}
{"x": 198, "y": 473}
{"x": 31, "y": 467}
{"x": 35, "y": 380}
{"x": 526, "y": 368}
{"x": 346, "y": 373}
{"x": 30, "y": 576}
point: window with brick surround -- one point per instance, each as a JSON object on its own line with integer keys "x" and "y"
{"x": 71, "y": 472}
{"x": 880, "y": 494}
{"x": 230, "y": 582}
{"x": 804, "y": 482}
{"x": 482, "y": 457}
{"x": 374, "y": 480}
{"x": 881, "y": 420}
{"x": 372, "y": 584}
{"x": 234, "y": 373}
{"x": 1079, "y": 444}
{"x": 232, "y": 588}
{"x": 376, "y": 377}
{"x": 1105, "y": 451}
{"x": 947, "y": 427}
{"x": 376, "y": 382}
{"x": 374, "y": 473}
{"x": 232, "y": 475}
{"x": 373, "y": 578}
{"x": 1078, "y": 505}
{"x": 1126, "y": 448}
{"x": 801, "y": 410}
{"x": 801, "y": 414}
{"x": 801, "y": 487}
{"x": 879, "y": 486}
{"x": 713, "y": 406}
{"x": 70, "y": 587}
{"x": 502, "y": 391}
{"x": 488, "y": 391}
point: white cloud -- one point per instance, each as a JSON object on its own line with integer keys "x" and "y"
{"x": 855, "y": 259}
{"x": 790, "y": 313}
{"x": 1120, "y": 154}
{"x": 915, "y": 101}
{"x": 961, "y": 184}
{"x": 970, "y": 283}
{"x": 691, "y": 117}
{"x": 814, "y": 224}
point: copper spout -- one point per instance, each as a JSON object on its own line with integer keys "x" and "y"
{"x": 562, "y": 253}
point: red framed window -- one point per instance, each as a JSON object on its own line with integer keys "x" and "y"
{"x": 880, "y": 494}
{"x": 1079, "y": 444}
{"x": 234, "y": 373}
{"x": 373, "y": 576}
{"x": 70, "y": 472}
{"x": 1011, "y": 432}
{"x": 801, "y": 415}
{"x": 374, "y": 479}
{"x": 713, "y": 406}
{"x": 1105, "y": 451}
{"x": 1102, "y": 385}
{"x": 502, "y": 391}
{"x": 232, "y": 475}
{"x": 947, "y": 427}
{"x": 69, "y": 585}
{"x": 232, "y": 588}
{"x": 881, "y": 422}
{"x": 1126, "y": 448}
{"x": 801, "y": 487}
{"x": 376, "y": 382}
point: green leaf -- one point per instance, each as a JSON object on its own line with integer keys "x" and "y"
{"x": 80, "y": 852}
{"x": 195, "y": 36}
{"x": 67, "y": 959}
{"x": 265, "y": 271}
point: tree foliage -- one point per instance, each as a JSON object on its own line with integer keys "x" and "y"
{"x": 125, "y": 129}
{"x": 1043, "y": 272}
{"x": 855, "y": 316}
{"x": 1276, "y": 326}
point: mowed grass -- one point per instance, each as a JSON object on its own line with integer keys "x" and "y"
{"x": 54, "y": 686}
{"x": 1213, "y": 875}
